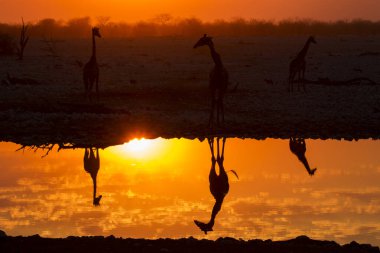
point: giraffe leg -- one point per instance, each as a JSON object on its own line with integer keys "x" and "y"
{"x": 97, "y": 86}
{"x": 211, "y": 118}
{"x": 89, "y": 88}
{"x": 291, "y": 81}
{"x": 299, "y": 81}
{"x": 303, "y": 79}
{"x": 217, "y": 111}
{"x": 217, "y": 149}
{"x": 85, "y": 84}
{"x": 222, "y": 108}
{"x": 211, "y": 145}
{"x": 220, "y": 153}
{"x": 224, "y": 143}
{"x": 90, "y": 93}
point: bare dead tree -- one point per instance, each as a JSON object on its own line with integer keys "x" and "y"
{"x": 24, "y": 38}
{"x": 102, "y": 20}
{"x": 163, "y": 18}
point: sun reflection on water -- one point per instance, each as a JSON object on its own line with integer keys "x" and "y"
{"x": 151, "y": 156}
{"x": 139, "y": 149}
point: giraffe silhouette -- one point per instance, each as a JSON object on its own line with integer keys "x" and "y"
{"x": 298, "y": 65}
{"x": 218, "y": 80}
{"x": 298, "y": 147}
{"x": 219, "y": 185}
{"x": 91, "y": 68}
{"x": 91, "y": 164}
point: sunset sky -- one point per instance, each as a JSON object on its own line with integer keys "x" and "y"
{"x": 134, "y": 10}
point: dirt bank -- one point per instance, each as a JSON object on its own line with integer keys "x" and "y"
{"x": 112, "y": 244}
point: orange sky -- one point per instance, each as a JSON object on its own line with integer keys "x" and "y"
{"x": 133, "y": 10}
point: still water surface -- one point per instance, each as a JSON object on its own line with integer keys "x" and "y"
{"x": 157, "y": 188}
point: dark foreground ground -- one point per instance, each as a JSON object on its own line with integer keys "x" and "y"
{"x": 112, "y": 244}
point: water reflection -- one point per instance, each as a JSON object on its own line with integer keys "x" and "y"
{"x": 219, "y": 185}
{"x": 298, "y": 147}
{"x": 91, "y": 164}
{"x": 157, "y": 191}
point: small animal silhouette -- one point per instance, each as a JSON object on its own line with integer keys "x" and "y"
{"x": 91, "y": 68}
{"x": 218, "y": 80}
{"x": 298, "y": 66}
{"x": 298, "y": 147}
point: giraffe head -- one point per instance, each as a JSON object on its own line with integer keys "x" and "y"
{"x": 96, "y": 200}
{"x": 95, "y": 32}
{"x": 205, "y": 40}
{"x": 312, "y": 40}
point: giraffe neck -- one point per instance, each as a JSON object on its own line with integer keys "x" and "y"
{"x": 304, "y": 50}
{"x": 215, "y": 56}
{"x": 215, "y": 211}
{"x": 93, "y": 57}
{"x": 304, "y": 162}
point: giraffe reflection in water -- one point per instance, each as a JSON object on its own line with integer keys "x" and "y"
{"x": 219, "y": 185}
{"x": 298, "y": 147}
{"x": 91, "y": 163}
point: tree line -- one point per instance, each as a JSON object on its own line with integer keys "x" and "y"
{"x": 166, "y": 25}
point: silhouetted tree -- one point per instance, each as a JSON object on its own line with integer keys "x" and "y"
{"x": 24, "y": 38}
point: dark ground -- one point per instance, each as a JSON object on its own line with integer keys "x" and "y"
{"x": 111, "y": 244}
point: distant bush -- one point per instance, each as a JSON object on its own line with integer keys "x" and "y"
{"x": 166, "y": 25}
{"x": 7, "y": 45}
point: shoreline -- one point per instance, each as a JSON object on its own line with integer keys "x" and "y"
{"x": 36, "y": 243}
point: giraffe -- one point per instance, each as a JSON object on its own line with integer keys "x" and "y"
{"x": 91, "y": 69}
{"x": 91, "y": 165}
{"x": 298, "y": 147}
{"x": 298, "y": 65}
{"x": 218, "y": 80}
{"x": 219, "y": 185}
